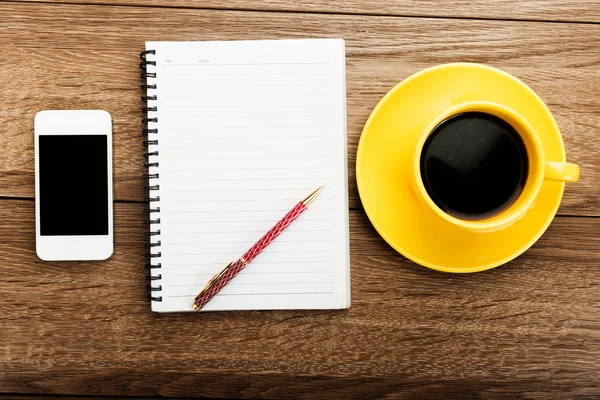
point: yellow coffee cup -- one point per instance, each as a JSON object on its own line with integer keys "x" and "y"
{"x": 539, "y": 167}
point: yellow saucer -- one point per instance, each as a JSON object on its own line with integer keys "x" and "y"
{"x": 383, "y": 168}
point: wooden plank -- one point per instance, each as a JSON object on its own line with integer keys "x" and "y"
{"x": 536, "y": 10}
{"x": 62, "y": 397}
{"x": 530, "y": 327}
{"x": 94, "y": 64}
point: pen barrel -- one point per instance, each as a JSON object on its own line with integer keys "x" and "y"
{"x": 274, "y": 232}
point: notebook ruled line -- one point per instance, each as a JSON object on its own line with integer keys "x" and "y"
{"x": 212, "y": 211}
{"x": 307, "y": 156}
{"x": 193, "y": 96}
{"x": 252, "y": 116}
{"x": 245, "y": 242}
{"x": 242, "y": 106}
{"x": 247, "y": 74}
{"x": 233, "y": 231}
{"x": 288, "y": 199}
{"x": 239, "y": 190}
{"x": 260, "y": 273}
{"x": 255, "y": 294}
{"x": 238, "y": 85}
{"x": 239, "y": 64}
{"x": 176, "y": 128}
{"x": 203, "y": 137}
{"x": 237, "y": 221}
{"x": 267, "y": 283}
{"x": 234, "y": 254}
{"x": 233, "y": 179}
{"x": 256, "y": 263}
{"x": 250, "y": 148}
{"x": 247, "y": 169}
{"x": 235, "y": 201}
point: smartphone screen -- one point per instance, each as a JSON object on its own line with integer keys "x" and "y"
{"x": 73, "y": 179}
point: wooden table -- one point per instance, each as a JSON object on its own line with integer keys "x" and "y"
{"x": 528, "y": 329}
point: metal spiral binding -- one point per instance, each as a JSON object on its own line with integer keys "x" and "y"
{"x": 150, "y": 130}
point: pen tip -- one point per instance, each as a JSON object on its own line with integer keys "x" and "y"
{"x": 311, "y": 197}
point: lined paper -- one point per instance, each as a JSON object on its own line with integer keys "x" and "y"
{"x": 247, "y": 129}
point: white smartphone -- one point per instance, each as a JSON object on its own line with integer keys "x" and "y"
{"x": 73, "y": 185}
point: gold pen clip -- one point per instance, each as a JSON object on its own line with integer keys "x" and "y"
{"x": 213, "y": 279}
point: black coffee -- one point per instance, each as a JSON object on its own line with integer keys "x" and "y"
{"x": 474, "y": 165}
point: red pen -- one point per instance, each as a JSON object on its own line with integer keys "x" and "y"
{"x": 217, "y": 282}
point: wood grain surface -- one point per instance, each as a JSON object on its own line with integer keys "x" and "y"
{"x": 62, "y": 397}
{"x": 529, "y": 329}
{"x": 531, "y": 326}
{"x": 538, "y": 10}
{"x": 94, "y": 64}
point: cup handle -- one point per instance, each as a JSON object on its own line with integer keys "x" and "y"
{"x": 561, "y": 171}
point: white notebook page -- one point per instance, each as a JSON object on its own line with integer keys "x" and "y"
{"x": 246, "y": 130}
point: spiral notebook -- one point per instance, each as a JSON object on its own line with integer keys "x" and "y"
{"x": 238, "y": 133}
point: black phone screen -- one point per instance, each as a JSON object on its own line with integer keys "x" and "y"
{"x": 73, "y": 179}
